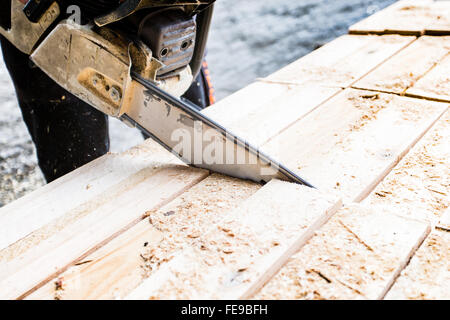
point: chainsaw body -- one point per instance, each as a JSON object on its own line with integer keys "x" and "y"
{"x": 133, "y": 63}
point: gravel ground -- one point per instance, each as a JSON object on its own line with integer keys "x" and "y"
{"x": 257, "y": 37}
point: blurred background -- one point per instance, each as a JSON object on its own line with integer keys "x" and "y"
{"x": 249, "y": 39}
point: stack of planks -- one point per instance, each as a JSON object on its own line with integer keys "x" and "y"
{"x": 365, "y": 118}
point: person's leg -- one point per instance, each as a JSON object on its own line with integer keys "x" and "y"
{"x": 67, "y": 132}
{"x": 201, "y": 91}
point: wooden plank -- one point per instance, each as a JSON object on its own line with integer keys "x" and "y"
{"x": 419, "y": 186}
{"x": 402, "y": 71}
{"x": 440, "y": 26}
{"x": 409, "y": 17}
{"x": 263, "y": 118}
{"x": 239, "y": 254}
{"x": 106, "y": 273}
{"x": 262, "y": 110}
{"x": 121, "y": 265}
{"x": 435, "y": 84}
{"x": 22, "y": 273}
{"x": 428, "y": 274}
{"x": 402, "y": 108}
{"x": 341, "y": 62}
{"x": 357, "y": 255}
{"x": 76, "y": 193}
{"x": 444, "y": 223}
{"x": 351, "y": 155}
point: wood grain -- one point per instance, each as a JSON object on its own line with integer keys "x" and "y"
{"x": 79, "y": 192}
{"x": 341, "y": 62}
{"x": 402, "y": 71}
{"x": 75, "y": 241}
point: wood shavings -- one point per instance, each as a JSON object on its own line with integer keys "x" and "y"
{"x": 418, "y": 187}
{"x": 428, "y": 274}
{"x": 343, "y": 265}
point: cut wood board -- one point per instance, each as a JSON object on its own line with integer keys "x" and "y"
{"x": 78, "y": 193}
{"x": 428, "y": 274}
{"x": 107, "y": 275}
{"x": 72, "y": 243}
{"x": 410, "y": 17}
{"x": 352, "y": 142}
{"x": 435, "y": 84}
{"x": 357, "y": 255}
{"x": 244, "y": 250}
{"x": 402, "y": 71}
{"x": 444, "y": 223}
{"x": 419, "y": 186}
{"x": 341, "y": 62}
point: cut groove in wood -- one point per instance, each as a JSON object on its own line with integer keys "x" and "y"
{"x": 244, "y": 250}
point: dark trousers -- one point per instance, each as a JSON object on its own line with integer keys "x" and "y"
{"x": 67, "y": 132}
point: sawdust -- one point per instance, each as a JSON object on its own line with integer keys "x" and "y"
{"x": 228, "y": 260}
{"x": 428, "y": 274}
{"x": 186, "y": 219}
{"x": 354, "y": 256}
{"x": 370, "y": 104}
{"x": 419, "y": 187}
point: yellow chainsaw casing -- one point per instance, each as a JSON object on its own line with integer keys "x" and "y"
{"x": 95, "y": 65}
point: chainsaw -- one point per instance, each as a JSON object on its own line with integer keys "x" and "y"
{"x": 133, "y": 63}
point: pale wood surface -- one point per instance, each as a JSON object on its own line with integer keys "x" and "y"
{"x": 262, "y": 110}
{"x": 357, "y": 255}
{"x": 407, "y": 67}
{"x": 152, "y": 242}
{"x": 80, "y": 191}
{"x": 341, "y": 62}
{"x": 428, "y": 274}
{"x": 435, "y": 84}
{"x": 419, "y": 186}
{"x": 239, "y": 254}
{"x": 444, "y": 223}
{"x": 353, "y": 154}
{"x": 22, "y": 273}
{"x": 410, "y": 17}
